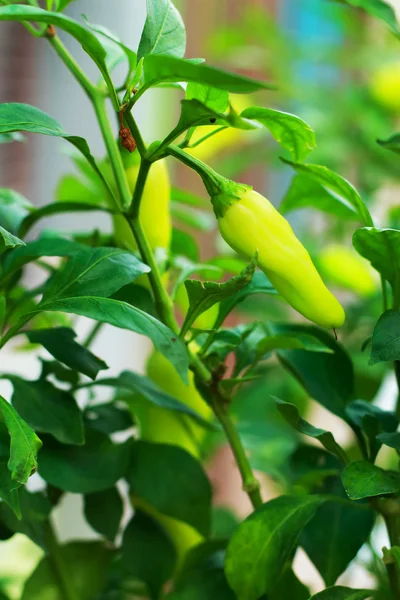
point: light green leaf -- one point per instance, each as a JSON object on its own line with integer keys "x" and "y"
{"x": 13, "y": 209}
{"x": 8, "y": 240}
{"x": 336, "y": 184}
{"x": 164, "y": 31}
{"x": 376, "y": 8}
{"x": 24, "y": 444}
{"x": 361, "y": 479}
{"x": 291, "y": 132}
{"x": 214, "y": 98}
{"x": 290, "y": 413}
{"x": 261, "y": 545}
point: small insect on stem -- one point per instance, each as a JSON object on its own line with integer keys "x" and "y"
{"x": 125, "y": 134}
{"x": 51, "y": 31}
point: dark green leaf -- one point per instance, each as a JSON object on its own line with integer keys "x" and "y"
{"x": 163, "y": 32}
{"x": 13, "y": 209}
{"x": 361, "y": 479}
{"x": 125, "y": 316}
{"x": 108, "y": 418}
{"x": 94, "y": 467}
{"x": 261, "y": 545}
{"x": 34, "y": 513}
{"x": 9, "y": 492}
{"x": 386, "y": 338}
{"x": 343, "y": 593}
{"x": 328, "y": 378}
{"x": 48, "y": 410}
{"x": 147, "y": 552}
{"x": 60, "y": 343}
{"x": 291, "y": 132}
{"x": 290, "y": 412}
{"x": 305, "y": 192}
{"x": 204, "y": 294}
{"x": 172, "y": 481}
{"x": 24, "y": 444}
{"x": 87, "y": 565}
{"x": 158, "y": 69}
{"x": 288, "y": 586}
{"x": 376, "y": 8}
{"x": 382, "y": 248}
{"x": 103, "y": 511}
{"x": 336, "y": 184}
{"x": 52, "y": 367}
{"x": 392, "y": 143}
{"x": 390, "y": 439}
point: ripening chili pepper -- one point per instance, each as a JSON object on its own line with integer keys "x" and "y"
{"x": 342, "y": 266}
{"x": 248, "y": 222}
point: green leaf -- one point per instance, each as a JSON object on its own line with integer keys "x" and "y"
{"x": 125, "y": 316}
{"x": 326, "y": 537}
{"x": 327, "y": 378}
{"x": 35, "y": 509}
{"x": 392, "y": 143}
{"x": 83, "y": 35}
{"x": 94, "y": 467}
{"x": 44, "y": 246}
{"x": 204, "y": 294}
{"x": 291, "y": 132}
{"x": 48, "y": 409}
{"x": 302, "y": 341}
{"x": 261, "y": 545}
{"x": 386, "y": 338}
{"x": 8, "y": 240}
{"x": 24, "y": 444}
{"x": 60, "y": 343}
{"x": 304, "y": 192}
{"x": 9, "y": 492}
{"x": 376, "y": 8}
{"x": 62, "y": 4}
{"x": 103, "y": 511}
{"x": 119, "y": 49}
{"x": 196, "y": 219}
{"x": 108, "y": 418}
{"x": 158, "y": 69}
{"x": 382, "y": 248}
{"x": 289, "y": 586}
{"x": 57, "y": 208}
{"x": 361, "y": 479}
{"x": 173, "y": 482}
{"x": 215, "y": 99}
{"x": 359, "y": 409}
{"x": 343, "y": 593}
{"x": 183, "y": 244}
{"x": 195, "y": 114}
{"x": 87, "y": 568}
{"x": 147, "y": 552}
{"x": 96, "y": 272}
{"x": 164, "y": 31}
{"x": 336, "y": 184}
{"x": 13, "y": 209}
{"x": 290, "y": 413}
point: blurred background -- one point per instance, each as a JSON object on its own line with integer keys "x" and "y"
{"x": 333, "y": 67}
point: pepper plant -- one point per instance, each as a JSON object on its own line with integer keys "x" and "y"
{"x": 206, "y": 383}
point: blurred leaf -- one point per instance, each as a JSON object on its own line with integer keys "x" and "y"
{"x": 291, "y": 132}
{"x": 204, "y": 294}
{"x": 197, "y": 219}
{"x": 9, "y": 491}
{"x": 386, "y": 338}
{"x": 304, "y": 192}
{"x": 108, "y": 418}
{"x": 213, "y": 98}
{"x": 87, "y": 565}
{"x": 120, "y": 50}
{"x": 60, "y": 343}
{"x": 376, "y": 8}
{"x": 172, "y": 481}
{"x": 93, "y": 467}
{"x": 164, "y": 31}
{"x": 48, "y": 409}
{"x": 327, "y": 378}
{"x": 103, "y": 511}
{"x": 125, "y": 316}
{"x": 392, "y": 143}
{"x": 13, "y": 209}
{"x": 52, "y": 367}
{"x": 289, "y": 586}
{"x": 158, "y": 69}
{"x": 336, "y": 184}
{"x": 184, "y": 244}
{"x": 185, "y": 197}
{"x": 382, "y": 248}
{"x": 224, "y": 522}
{"x": 362, "y": 479}
{"x": 343, "y": 593}
{"x": 290, "y": 413}
{"x": 390, "y": 439}
{"x": 147, "y": 552}
{"x": 196, "y": 114}
{"x": 35, "y": 509}
{"x": 24, "y": 444}
{"x": 6, "y": 138}
{"x": 96, "y": 272}
{"x": 8, "y": 240}
{"x": 261, "y": 545}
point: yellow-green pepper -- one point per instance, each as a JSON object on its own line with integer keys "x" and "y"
{"x": 248, "y": 222}
{"x": 342, "y": 266}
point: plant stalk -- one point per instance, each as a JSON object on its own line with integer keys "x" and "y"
{"x": 60, "y": 569}
{"x": 392, "y": 569}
